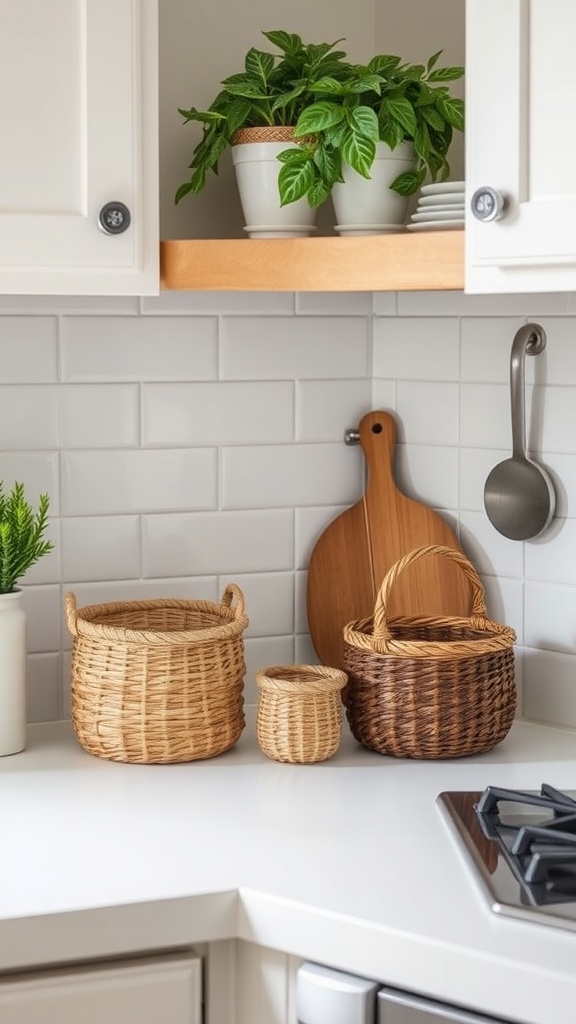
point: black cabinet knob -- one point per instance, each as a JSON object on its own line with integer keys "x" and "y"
{"x": 114, "y": 218}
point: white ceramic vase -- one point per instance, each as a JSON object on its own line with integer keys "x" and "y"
{"x": 367, "y": 206}
{"x": 257, "y": 172}
{"x": 12, "y": 673}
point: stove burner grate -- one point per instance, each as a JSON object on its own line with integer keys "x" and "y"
{"x": 542, "y": 853}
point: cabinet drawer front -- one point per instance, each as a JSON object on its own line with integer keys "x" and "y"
{"x": 155, "y": 990}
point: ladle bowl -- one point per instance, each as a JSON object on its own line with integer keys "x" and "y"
{"x": 519, "y": 496}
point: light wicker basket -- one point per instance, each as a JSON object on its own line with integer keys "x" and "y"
{"x": 430, "y": 687}
{"x": 158, "y": 681}
{"x": 299, "y": 717}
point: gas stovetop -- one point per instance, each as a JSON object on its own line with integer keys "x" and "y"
{"x": 523, "y": 846}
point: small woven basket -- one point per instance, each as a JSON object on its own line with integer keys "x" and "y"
{"x": 299, "y": 716}
{"x": 430, "y": 687}
{"x": 158, "y": 681}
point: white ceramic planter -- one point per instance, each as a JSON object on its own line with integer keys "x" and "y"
{"x": 12, "y": 673}
{"x": 257, "y": 171}
{"x": 367, "y": 206}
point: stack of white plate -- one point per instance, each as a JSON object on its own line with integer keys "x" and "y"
{"x": 440, "y": 207}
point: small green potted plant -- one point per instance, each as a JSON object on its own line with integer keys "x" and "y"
{"x": 22, "y": 543}
{"x": 384, "y": 101}
{"x": 22, "y": 530}
{"x": 338, "y": 115}
{"x": 255, "y": 114}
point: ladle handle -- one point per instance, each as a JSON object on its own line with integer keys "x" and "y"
{"x": 529, "y": 340}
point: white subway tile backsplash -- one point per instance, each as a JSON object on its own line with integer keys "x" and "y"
{"x": 286, "y": 476}
{"x": 416, "y": 349}
{"x": 85, "y": 305}
{"x": 44, "y": 613}
{"x": 28, "y": 350}
{"x": 474, "y": 466}
{"x": 428, "y": 474}
{"x": 269, "y": 601}
{"x": 550, "y": 688}
{"x": 100, "y": 415}
{"x": 115, "y": 482}
{"x": 274, "y": 348}
{"x": 550, "y": 621}
{"x": 101, "y": 548}
{"x": 29, "y": 417}
{"x": 557, "y": 363}
{"x": 219, "y": 303}
{"x": 485, "y": 416}
{"x": 490, "y": 552}
{"x": 458, "y": 303}
{"x": 505, "y": 602}
{"x": 218, "y": 542}
{"x": 385, "y": 303}
{"x": 43, "y": 684}
{"x": 427, "y": 412}
{"x": 554, "y": 429}
{"x": 310, "y": 524}
{"x": 301, "y": 605}
{"x": 325, "y": 409}
{"x": 218, "y": 413}
{"x": 384, "y": 394}
{"x": 140, "y": 348}
{"x": 38, "y": 471}
{"x": 304, "y": 651}
{"x": 335, "y": 303}
{"x": 260, "y": 652}
{"x": 562, "y": 470}
{"x": 550, "y": 557}
{"x": 486, "y": 343}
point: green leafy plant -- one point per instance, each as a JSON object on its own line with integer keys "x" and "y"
{"x": 21, "y": 535}
{"x": 382, "y": 101}
{"x": 339, "y": 111}
{"x": 273, "y": 89}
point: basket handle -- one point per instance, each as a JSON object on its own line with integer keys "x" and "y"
{"x": 71, "y": 613}
{"x": 381, "y": 631}
{"x": 233, "y": 591}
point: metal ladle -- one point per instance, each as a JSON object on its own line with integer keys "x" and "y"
{"x": 518, "y": 495}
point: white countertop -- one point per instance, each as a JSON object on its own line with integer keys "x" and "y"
{"x": 348, "y": 862}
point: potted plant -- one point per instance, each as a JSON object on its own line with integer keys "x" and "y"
{"x": 22, "y": 543}
{"x": 255, "y": 113}
{"x": 341, "y": 115}
{"x": 385, "y": 110}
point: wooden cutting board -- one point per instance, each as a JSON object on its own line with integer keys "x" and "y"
{"x": 352, "y": 556}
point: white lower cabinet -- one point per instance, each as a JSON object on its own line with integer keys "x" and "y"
{"x": 164, "y": 989}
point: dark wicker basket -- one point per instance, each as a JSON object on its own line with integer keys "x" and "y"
{"x": 430, "y": 687}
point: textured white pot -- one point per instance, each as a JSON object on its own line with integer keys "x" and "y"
{"x": 367, "y": 206}
{"x": 12, "y": 673}
{"x": 257, "y": 171}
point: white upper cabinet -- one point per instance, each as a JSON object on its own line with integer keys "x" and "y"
{"x": 79, "y": 129}
{"x": 521, "y": 143}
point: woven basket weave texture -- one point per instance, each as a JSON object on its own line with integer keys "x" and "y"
{"x": 158, "y": 681}
{"x": 299, "y": 717}
{"x": 430, "y": 687}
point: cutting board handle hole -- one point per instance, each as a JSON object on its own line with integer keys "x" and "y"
{"x": 377, "y": 428}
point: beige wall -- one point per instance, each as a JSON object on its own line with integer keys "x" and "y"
{"x": 416, "y": 29}
{"x": 200, "y": 44}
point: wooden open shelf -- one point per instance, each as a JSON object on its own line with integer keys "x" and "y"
{"x": 426, "y": 261}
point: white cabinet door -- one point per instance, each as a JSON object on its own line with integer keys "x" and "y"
{"x": 155, "y": 990}
{"x": 521, "y": 141}
{"x": 78, "y": 123}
